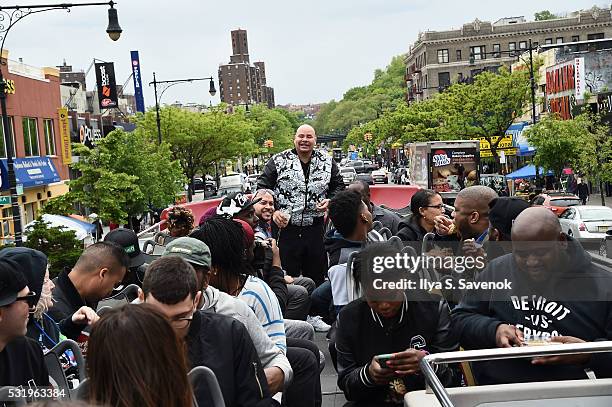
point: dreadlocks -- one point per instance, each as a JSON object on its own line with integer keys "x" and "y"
{"x": 225, "y": 239}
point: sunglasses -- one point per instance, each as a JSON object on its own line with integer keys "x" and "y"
{"x": 29, "y": 298}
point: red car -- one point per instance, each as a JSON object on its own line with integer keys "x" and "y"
{"x": 557, "y": 202}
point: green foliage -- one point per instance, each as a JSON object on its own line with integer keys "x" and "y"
{"x": 545, "y": 15}
{"x": 61, "y": 246}
{"x": 485, "y": 108}
{"x": 365, "y": 103}
{"x": 559, "y": 143}
{"x": 120, "y": 177}
{"x": 198, "y": 141}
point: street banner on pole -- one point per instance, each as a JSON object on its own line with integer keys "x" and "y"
{"x": 64, "y": 129}
{"x": 140, "y": 107}
{"x": 579, "y": 78}
{"x": 107, "y": 87}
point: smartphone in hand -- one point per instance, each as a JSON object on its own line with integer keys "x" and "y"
{"x": 383, "y": 359}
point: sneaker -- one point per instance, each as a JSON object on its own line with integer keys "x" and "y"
{"x": 317, "y": 323}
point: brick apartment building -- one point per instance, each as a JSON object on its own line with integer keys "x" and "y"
{"x": 32, "y": 103}
{"x": 240, "y": 82}
{"x": 440, "y": 58}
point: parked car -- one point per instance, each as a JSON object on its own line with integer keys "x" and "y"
{"x": 198, "y": 184}
{"x": 358, "y": 165}
{"x": 380, "y": 177}
{"x": 557, "y": 202}
{"x": 210, "y": 189}
{"x": 366, "y": 177}
{"x": 588, "y": 224}
{"x": 370, "y": 166}
{"x": 348, "y": 174}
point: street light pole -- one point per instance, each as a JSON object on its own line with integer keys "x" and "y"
{"x": 8, "y": 20}
{"x": 169, "y": 84}
{"x": 159, "y": 137}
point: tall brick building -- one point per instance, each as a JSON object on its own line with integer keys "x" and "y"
{"x": 440, "y": 58}
{"x": 239, "y": 81}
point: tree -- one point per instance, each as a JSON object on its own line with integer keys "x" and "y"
{"x": 122, "y": 176}
{"x": 61, "y": 246}
{"x": 558, "y": 143}
{"x": 545, "y": 15}
{"x": 362, "y": 104}
{"x": 198, "y": 141}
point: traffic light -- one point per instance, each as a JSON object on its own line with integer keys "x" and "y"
{"x": 269, "y": 143}
{"x": 367, "y": 136}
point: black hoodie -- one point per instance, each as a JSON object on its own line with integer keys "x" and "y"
{"x": 34, "y": 267}
{"x": 334, "y": 243}
{"x": 539, "y": 311}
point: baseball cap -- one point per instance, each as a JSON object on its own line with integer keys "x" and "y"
{"x": 11, "y": 281}
{"x": 127, "y": 239}
{"x": 191, "y": 250}
{"x": 234, "y": 203}
{"x": 503, "y": 212}
{"x": 249, "y": 234}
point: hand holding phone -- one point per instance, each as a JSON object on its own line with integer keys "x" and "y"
{"x": 383, "y": 359}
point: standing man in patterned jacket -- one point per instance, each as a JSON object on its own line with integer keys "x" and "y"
{"x": 304, "y": 180}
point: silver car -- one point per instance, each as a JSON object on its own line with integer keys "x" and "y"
{"x": 587, "y": 224}
{"x": 348, "y": 175}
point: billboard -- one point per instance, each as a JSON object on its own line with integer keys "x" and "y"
{"x": 140, "y": 107}
{"x": 107, "y": 87}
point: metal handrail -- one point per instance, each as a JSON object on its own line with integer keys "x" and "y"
{"x": 442, "y": 395}
{"x": 155, "y": 227}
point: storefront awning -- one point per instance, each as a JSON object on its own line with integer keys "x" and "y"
{"x": 30, "y": 172}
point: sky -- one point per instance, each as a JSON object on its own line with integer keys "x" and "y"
{"x": 314, "y": 50}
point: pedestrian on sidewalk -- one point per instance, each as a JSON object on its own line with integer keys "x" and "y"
{"x": 583, "y": 191}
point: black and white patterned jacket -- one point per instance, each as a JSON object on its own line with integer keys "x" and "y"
{"x": 295, "y": 193}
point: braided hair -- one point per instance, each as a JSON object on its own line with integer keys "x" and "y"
{"x": 225, "y": 239}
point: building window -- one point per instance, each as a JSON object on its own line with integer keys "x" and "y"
{"x": 535, "y": 44}
{"x": 460, "y": 77}
{"x": 598, "y": 36}
{"x": 12, "y": 133}
{"x": 512, "y": 46}
{"x": 575, "y": 38}
{"x": 30, "y": 136}
{"x": 458, "y": 53}
{"x": 548, "y": 41}
{"x": 443, "y": 79}
{"x": 478, "y": 52}
{"x": 496, "y": 50}
{"x": 49, "y": 137}
{"x": 523, "y": 45}
{"x": 559, "y": 40}
{"x": 442, "y": 56}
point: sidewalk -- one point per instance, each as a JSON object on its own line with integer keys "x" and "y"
{"x": 595, "y": 199}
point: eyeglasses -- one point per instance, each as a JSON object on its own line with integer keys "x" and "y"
{"x": 440, "y": 206}
{"x": 29, "y": 298}
{"x": 181, "y": 323}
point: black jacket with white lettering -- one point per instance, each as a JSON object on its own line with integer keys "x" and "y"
{"x": 575, "y": 301}
{"x": 424, "y": 324}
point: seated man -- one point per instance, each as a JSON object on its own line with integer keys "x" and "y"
{"x": 387, "y": 218}
{"x": 298, "y": 288}
{"x": 21, "y": 358}
{"x": 555, "y": 293}
{"x": 276, "y": 366}
{"x": 218, "y": 342}
{"x": 239, "y": 206}
{"x": 101, "y": 267}
{"x": 392, "y": 322}
{"x": 352, "y": 221}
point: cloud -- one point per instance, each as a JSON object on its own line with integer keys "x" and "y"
{"x": 314, "y": 51}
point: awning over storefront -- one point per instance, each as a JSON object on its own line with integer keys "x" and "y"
{"x": 30, "y": 172}
{"x": 527, "y": 171}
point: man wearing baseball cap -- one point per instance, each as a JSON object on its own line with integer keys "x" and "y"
{"x": 21, "y": 358}
{"x": 275, "y": 363}
{"x": 239, "y": 206}
{"x": 128, "y": 239}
